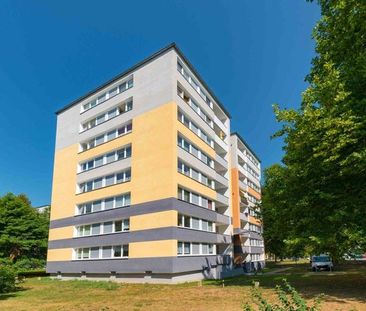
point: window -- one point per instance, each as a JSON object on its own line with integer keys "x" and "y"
{"x": 94, "y": 252}
{"x": 192, "y": 149}
{"x": 107, "y": 203}
{"x": 180, "y": 248}
{"x": 96, "y": 229}
{"x": 194, "y": 128}
{"x": 108, "y": 227}
{"x": 195, "y": 223}
{"x": 105, "y": 116}
{"x": 188, "y": 248}
{"x": 106, "y": 158}
{"x": 195, "y": 85}
{"x": 105, "y": 181}
{"x": 109, "y": 94}
{"x": 103, "y": 228}
{"x": 106, "y": 137}
{"x": 195, "y": 248}
{"x": 194, "y": 198}
{"x": 107, "y": 252}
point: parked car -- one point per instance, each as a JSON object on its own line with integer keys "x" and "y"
{"x": 321, "y": 262}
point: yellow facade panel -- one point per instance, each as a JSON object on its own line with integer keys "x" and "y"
{"x": 60, "y": 254}
{"x": 61, "y": 233}
{"x": 154, "y": 220}
{"x": 162, "y": 248}
{"x": 64, "y": 183}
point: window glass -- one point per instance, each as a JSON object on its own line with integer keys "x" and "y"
{"x": 108, "y": 227}
{"x": 195, "y": 223}
{"x": 112, "y": 113}
{"x": 127, "y": 199}
{"x": 194, "y": 174}
{"x": 97, "y": 206}
{"x": 118, "y": 226}
{"x": 210, "y": 226}
{"x": 195, "y": 248}
{"x": 194, "y": 198}
{"x": 111, "y": 135}
{"x": 125, "y": 250}
{"x": 96, "y": 229}
{"x": 204, "y": 202}
{"x": 99, "y": 140}
{"x": 119, "y": 201}
{"x": 110, "y": 157}
{"x": 180, "y": 248}
{"x": 113, "y": 92}
{"x": 94, "y": 252}
{"x": 187, "y": 248}
{"x": 98, "y": 183}
{"x": 109, "y": 180}
{"x": 204, "y": 225}
{"x": 120, "y": 177}
{"x": 128, "y": 151}
{"x": 98, "y": 161}
{"x": 187, "y": 221}
{"x": 180, "y": 220}
{"x": 100, "y": 119}
{"x": 107, "y": 252}
{"x": 126, "y": 225}
{"x": 194, "y": 151}
{"x": 117, "y": 251}
{"x": 101, "y": 98}
{"x": 85, "y": 253}
{"x": 88, "y": 208}
{"x": 204, "y": 248}
{"x": 108, "y": 203}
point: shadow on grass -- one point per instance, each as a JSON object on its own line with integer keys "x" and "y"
{"x": 348, "y": 282}
{"x": 12, "y": 294}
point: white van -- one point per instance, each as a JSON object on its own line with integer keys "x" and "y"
{"x": 321, "y": 262}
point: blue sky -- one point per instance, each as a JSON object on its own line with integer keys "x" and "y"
{"x": 251, "y": 53}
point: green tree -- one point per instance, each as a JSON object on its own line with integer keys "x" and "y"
{"x": 325, "y": 140}
{"x": 23, "y": 231}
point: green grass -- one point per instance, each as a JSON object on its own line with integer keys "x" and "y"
{"x": 344, "y": 289}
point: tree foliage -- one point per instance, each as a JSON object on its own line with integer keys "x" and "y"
{"x": 321, "y": 186}
{"x": 23, "y": 231}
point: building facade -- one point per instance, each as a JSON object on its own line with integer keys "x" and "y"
{"x": 143, "y": 180}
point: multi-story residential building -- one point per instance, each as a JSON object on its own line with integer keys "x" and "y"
{"x": 141, "y": 185}
{"x": 246, "y": 193}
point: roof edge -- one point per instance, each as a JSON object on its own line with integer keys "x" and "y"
{"x": 246, "y": 144}
{"x": 142, "y": 63}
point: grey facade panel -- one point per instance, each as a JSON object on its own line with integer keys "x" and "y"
{"x": 139, "y": 209}
{"x": 134, "y": 265}
{"x": 166, "y": 233}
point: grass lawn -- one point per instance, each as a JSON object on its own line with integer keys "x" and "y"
{"x": 345, "y": 289}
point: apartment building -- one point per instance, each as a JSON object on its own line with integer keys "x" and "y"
{"x": 246, "y": 194}
{"x": 142, "y": 186}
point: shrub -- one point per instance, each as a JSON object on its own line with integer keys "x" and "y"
{"x": 7, "y": 279}
{"x": 288, "y": 299}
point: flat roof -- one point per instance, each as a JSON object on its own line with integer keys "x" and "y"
{"x": 246, "y": 144}
{"x": 147, "y": 60}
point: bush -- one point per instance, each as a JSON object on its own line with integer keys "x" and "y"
{"x": 7, "y": 279}
{"x": 288, "y": 299}
{"x": 28, "y": 264}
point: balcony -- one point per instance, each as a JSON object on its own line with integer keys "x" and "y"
{"x": 222, "y": 199}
